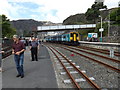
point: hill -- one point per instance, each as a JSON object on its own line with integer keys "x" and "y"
{"x": 26, "y": 26}
{"x": 75, "y": 19}
{"x": 81, "y": 18}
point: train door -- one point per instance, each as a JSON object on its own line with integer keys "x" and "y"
{"x": 71, "y": 37}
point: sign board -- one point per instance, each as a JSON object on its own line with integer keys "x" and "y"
{"x": 111, "y": 53}
{"x": 90, "y": 35}
{"x": 101, "y": 30}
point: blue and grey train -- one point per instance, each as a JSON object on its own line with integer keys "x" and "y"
{"x": 71, "y": 38}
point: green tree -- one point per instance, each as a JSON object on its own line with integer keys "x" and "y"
{"x": 105, "y": 26}
{"x": 115, "y": 16}
{"x": 7, "y": 30}
{"x": 118, "y": 16}
{"x": 93, "y": 12}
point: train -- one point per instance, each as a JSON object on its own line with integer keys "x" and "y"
{"x": 71, "y": 38}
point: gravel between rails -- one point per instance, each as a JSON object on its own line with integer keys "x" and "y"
{"x": 100, "y": 59}
{"x": 115, "y": 57}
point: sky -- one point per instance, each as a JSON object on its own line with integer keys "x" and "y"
{"x": 47, "y": 10}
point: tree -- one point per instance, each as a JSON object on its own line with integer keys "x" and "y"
{"x": 93, "y": 13}
{"x": 118, "y": 16}
{"x": 105, "y": 26}
{"x": 115, "y": 16}
{"x": 7, "y": 30}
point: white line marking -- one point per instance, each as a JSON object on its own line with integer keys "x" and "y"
{"x": 63, "y": 60}
{"x": 77, "y": 80}
{"x": 72, "y": 72}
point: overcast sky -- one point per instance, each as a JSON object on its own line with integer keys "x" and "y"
{"x": 47, "y": 10}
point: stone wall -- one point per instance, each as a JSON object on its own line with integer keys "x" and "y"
{"x": 114, "y": 35}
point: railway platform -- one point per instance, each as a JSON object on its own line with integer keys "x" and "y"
{"x": 38, "y": 74}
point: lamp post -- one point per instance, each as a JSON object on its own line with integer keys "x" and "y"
{"x": 119, "y": 4}
{"x": 101, "y": 29}
{"x": 109, "y": 26}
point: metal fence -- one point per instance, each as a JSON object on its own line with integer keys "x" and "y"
{"x": 6, "y": 47}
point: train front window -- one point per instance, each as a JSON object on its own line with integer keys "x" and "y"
{"x": 76, "y": 34}
{"x": 71, "y": 34}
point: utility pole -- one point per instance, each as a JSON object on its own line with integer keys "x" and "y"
{"x": 119, "y": 4}
{"x": 101, "y": 29}
{"x": 109, "y": 26}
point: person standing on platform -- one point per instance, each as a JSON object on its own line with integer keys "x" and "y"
{"x": 18, "y": 51}
{"x": 34, "y": 49}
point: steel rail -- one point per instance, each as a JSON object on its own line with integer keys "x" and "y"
{"x": 99, "y": 50}
{"x": 101, "y": 56}
{"x": 85, "y": 76}
{"x": 107, "y": 65}
{"x": 71, "y": 77}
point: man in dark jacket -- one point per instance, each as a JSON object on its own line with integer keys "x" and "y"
{"x": 34, "y": 46}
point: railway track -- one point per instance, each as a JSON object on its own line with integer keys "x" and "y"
{"x": 95, "y": 60}
{"x": 100, "y": 56}
{"x": 99, "y": 50}
{"x": 93, "y": 53}
{"x": 103, "y": 58}
{"x": 59, "y": 55}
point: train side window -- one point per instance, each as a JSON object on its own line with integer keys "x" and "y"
{"x": 64, "y": 37}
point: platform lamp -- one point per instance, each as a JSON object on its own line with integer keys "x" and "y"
{"x": 119, "y": 4}
{"x": 108, "y": 26}
{"x": 101, "y": 29}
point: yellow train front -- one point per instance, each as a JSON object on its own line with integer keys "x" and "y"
{"x": 71, "y": 38}
{"x": 74, "y": 37}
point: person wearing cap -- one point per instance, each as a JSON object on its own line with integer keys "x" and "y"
{"x": 18, "y": 51}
